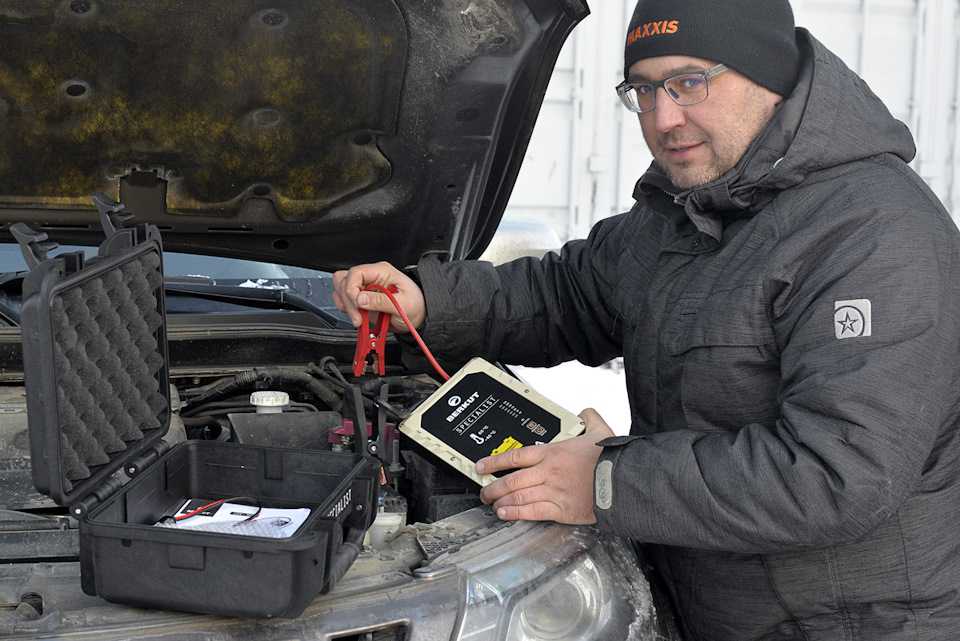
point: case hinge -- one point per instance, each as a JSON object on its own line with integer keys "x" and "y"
{"x": 143, "y": 461}
{"x": 115, "y": 482}
{"x": 108, "y": 487}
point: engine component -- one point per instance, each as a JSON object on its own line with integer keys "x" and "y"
{"x": 269, "y": 402}
{"x": 341, "y": 439}
{"x": 302, "y": 430}
{"x": 391, "y": 516}
{"x": 436, "y": 491}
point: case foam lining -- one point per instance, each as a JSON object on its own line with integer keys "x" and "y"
{"x": 109, "y": 363}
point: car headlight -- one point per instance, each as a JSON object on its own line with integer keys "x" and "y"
{"x": 567, "y": 608}
{"x": 559, "y": 583}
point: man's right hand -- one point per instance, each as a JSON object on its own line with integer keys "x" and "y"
{"x": 349, "y": 297}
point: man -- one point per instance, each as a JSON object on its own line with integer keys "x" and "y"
{"x": 786, "y": 296}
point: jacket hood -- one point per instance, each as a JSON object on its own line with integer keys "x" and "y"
{"x": 319, "y": 133}
{"x": 831, "y": 118}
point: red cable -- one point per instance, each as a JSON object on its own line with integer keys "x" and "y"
{"x": 413, "y": 330}
{"x": 194, "y": 512}
{"x": 187, "y": 515}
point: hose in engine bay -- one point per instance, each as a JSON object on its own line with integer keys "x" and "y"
{"x": 266, "y": 378}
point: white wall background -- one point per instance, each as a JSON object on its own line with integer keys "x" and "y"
{"x": 587, "y": 152}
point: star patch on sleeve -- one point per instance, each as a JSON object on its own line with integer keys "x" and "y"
{"x": 852, "y": 318}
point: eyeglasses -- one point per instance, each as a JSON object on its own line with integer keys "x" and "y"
{"x": 684, "y": 89}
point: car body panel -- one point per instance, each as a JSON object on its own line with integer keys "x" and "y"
{"x": 316, "y": 133}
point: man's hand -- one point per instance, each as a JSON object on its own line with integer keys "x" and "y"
{"x": 555, "y": 482}
{"x": 349, "y": 297}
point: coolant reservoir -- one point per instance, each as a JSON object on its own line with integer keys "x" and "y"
{"x": 383, "y": 526}
{"x": 268, "y": 402}
{"x": 391, "y": 516}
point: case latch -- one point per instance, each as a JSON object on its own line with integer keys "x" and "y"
{"x": 113, "y": 215}
{"x": 115, "y": 219}
{"x": 35, "y": 245}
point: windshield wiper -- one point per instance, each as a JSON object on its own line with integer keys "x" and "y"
{"x": 9, "y": 312}
{"x": 270, "y": 297}
{"x": 273, "y": 297}
{"x": 10, "y": 305}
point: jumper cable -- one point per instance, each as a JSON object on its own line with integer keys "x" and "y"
{"x": 375, "y": 342}
{"x": 372, "y": 342}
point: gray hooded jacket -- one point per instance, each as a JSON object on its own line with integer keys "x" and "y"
{"x": 792, "y": 349}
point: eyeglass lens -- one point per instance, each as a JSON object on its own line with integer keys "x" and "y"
{"x": 685, "y": 90}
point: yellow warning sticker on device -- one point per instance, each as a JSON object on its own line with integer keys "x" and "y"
{"x": 508, "y": 444}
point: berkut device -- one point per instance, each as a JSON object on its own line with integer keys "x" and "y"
{"x": 483, "y": 411}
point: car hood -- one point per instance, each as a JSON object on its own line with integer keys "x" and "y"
{"x": 318, "y": 133}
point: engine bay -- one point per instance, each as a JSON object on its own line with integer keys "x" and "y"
{"x": 312, "y": 406}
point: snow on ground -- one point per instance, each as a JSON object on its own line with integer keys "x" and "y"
{"x": 574, "y": 387}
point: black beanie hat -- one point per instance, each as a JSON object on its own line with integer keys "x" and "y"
{"x": 754, "y": 37}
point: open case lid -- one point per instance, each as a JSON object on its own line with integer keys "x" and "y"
{"x": 95, "y": 357}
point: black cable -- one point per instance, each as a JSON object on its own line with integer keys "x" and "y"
{"x": 370, "y": 401}
{"x": 315, "y": 378}
{"x": 330, "y": 363}
{"x": 267, "y": 377}
{"x": 353, "y": 405}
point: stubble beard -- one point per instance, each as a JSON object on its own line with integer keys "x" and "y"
{"x": 725, "y": 149}
{"x": 688, "y": 175}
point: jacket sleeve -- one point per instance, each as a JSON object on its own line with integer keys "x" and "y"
{"x": 528, "y": 311}
{"x": 859, "y": 417}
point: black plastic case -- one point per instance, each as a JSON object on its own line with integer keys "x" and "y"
{"x": 95, "y": 358}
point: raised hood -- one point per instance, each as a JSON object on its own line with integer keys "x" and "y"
{"x": 319, "y": 133}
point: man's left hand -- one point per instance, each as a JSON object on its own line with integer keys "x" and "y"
{"x": 553, "y": 482}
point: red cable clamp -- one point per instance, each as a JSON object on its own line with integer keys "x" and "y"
{"x": 375, "y": 341}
